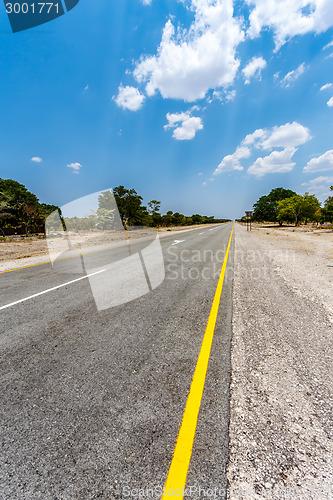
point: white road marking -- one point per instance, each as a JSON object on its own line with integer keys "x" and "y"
{"x": 176, "y": 242}
{"x": 50, "y": 290}
{"x": 200, "y": 234}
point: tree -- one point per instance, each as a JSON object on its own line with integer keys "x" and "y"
{"x": 197, "y": 219}
{"x": 178, "y": 219}
{"x": 154, "y": 210}
{"x": 297, "y": 208}
{"x": 290, "y": 209}
{"x": 154, "y": 207}
{"x": 266, "y": 208}
{"x": 19, "y": 208}
{"x": 310, "y": 206}
{"x": 327, "y": 210}
{"x": 129, "y": 205}
{"x": 18, "y": 193}
{"x": 167, "y": 218}
{"x": 5, "y": 210}
{"x": 106, "y": 214}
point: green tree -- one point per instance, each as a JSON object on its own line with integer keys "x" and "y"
{"x": 197, "y": 219}
{"x": 5, "y": 211}
{"x": 130, "y": 206}
{"x": 154, "y": 210}
{"x": 327, "y": 210}
{"x": 154, "y": 207}
{"x": 19, "y": 208}
{"x": 266, "y": 208}
{"x": 310, "y": 206}
{"x": 167, "y": 218}
{"x": 178, "y": 219}
{"x": 298, "y": 208}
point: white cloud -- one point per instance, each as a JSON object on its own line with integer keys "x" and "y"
{"x": 75, "y": 167}
{"x": 190, "y": 62}
{"x": 321, "y": 163}
{"x": 251, "y": 139}
{"x": 289, "y": 18}
{"x": 185, "y": 126}
{"x": 326, "y": 86}
{"x": 320, "y": 186}
{"x": 292, "y": 76}
{"x": 146, "y": 2}
{"x": 286, "y": 136}
{"x": 86, "y": 88}
{"x": 253, "y": 68}
{"x": 328, "y": 46}
{"x": 223, "y": 95}
{"x": 330, "y": 103}
{"x": 36, "y": 159}
{"x": 129, "y": 98}
{"x": 276, "y": 162}
{"x": 232, "y": 162}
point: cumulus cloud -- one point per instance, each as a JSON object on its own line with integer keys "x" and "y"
{"x": 75, "y": 167}
{"x": 326, "y": 86}
{"x": 276, "y": 162}
{"x": 330, "y": 103}
{"x": 288, "y": 137}
{"x": 320, "y": 186}
{"x": 320, "y": 163}
{"x": 232, "y": 162}
{"x": 146, "y": 2}
{"x": 185, "y": 126}
{"x": 190, "y": 62}
{"x": 129, "y": 98}
{"x": 36, "y": 159}
{"x": 255, "y": 138}
{"x": 292, "y": 76}
{"x": 287, "y": 19}
{"x": 254, "y": 68}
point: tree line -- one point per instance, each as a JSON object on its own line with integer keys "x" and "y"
{"x": 22, "y": 213}
{"x": 285, "y": 206}
{"x": 20, "y": 210}
{"x": 132, "y": 212}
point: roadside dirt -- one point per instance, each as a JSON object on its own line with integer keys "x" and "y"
{"x": 281, "y": 390}
{"x": 17, "y": 251}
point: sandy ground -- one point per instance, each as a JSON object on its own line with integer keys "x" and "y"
{"x": 17, "y": 252}
{"x": 281, "y": 390}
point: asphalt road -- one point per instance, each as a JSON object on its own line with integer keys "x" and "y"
{"x": 92, "y": 401}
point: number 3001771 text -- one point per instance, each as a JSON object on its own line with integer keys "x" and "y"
{"x": 32, "y": 8}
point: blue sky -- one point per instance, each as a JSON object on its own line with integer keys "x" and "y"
{"x": 203, "y": 104}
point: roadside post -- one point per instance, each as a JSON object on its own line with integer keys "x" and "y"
{"x": 248, "y": 220}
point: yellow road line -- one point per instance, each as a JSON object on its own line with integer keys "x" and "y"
{"x": 176, "y": 480}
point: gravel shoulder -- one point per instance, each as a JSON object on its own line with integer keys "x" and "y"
{"x": 281, "y": 389}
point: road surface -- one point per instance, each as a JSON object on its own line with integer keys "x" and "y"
{"x": 92, "y": 402}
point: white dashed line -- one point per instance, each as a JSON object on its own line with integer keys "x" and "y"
{"x": 50, "y": 290}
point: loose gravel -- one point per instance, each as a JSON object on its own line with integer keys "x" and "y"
{"x": 281, "y": 390}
